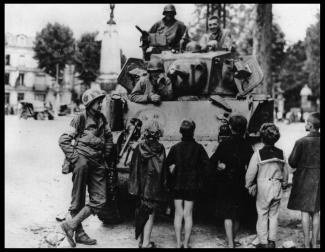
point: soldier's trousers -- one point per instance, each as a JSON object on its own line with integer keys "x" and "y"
{"x": 91, "y": 174}
{"x": 268, "y": 199}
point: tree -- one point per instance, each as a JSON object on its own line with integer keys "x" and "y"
{"x": 312, "y": 63}
{"x": 54, "y": 47}
{"x": 278, "y": 52}
{"x": 262, "y": 44}
{"x": 87, "y": 58}
{"x": 293, "y": 75}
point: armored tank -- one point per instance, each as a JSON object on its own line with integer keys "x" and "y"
{"x": 209, "y": 87}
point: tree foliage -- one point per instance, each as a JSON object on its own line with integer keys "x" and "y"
{"x": 278, "y": 44}
{"x": 87, "y": 58}
{"x": 312, "y": 63}
{"x": 293, "y": 75}
{"x": 302, "y": 66}
{"x": 54, "y": 45}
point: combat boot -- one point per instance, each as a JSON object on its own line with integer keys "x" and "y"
{"x": 83, "y": 238}
{"x": 271, "y": 244}
{"x": 69, "y": 226}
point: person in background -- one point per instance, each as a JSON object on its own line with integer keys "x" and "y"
{"x": 187, "y": 162}
{"x": 305, "y": 192}
{"x": 228, "y": 165}
{"x": 267, "y": 174}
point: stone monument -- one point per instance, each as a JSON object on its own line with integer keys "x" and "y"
{"x": 110, "y": 59}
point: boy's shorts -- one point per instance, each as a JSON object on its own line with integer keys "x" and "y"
{"x": 184, "y": 195}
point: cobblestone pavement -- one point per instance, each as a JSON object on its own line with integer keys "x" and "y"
{"x": 36, "y": 191}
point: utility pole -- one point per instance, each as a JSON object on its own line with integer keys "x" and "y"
{"x": 57, "y": 90}
{"x": 207, "y": 18}
{"x": 224, "y": 15}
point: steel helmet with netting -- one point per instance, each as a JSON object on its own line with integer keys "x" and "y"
{"x": 169, "y": 8}
{"x": 155, "y": 65}
{"x": 90, "y": 95}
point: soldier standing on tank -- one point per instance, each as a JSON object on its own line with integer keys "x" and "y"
{"x": 154, "y": 87}
{"x": 93, "y": 145}
{"x": 172, "y": 28}
{"x": 217, "y": 38}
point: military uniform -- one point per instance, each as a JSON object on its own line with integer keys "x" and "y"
{"x": 88, "y": 156}
{"x": 144, "y": 89}
{"x": 173, "y": 31}
{"x": 93, "y": 145}
{"x": 222, "y": 37}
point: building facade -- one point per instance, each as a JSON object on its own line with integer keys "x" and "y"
{"x": 25, "y": 81}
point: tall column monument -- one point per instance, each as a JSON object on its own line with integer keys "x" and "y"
{"x": 110, "y": 60}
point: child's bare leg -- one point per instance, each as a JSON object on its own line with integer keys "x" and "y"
{"x": 229, "y": 232}
{"x": 236, "y": 228}
{"x": 305, "y": 227}
{"x": 179, "y": 213}
{"x": 147, "y": 230}
{"x": 188, "y": 213}
{"x": 316, "y": 223}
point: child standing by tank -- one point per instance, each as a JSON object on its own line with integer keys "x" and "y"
{"x": 228, "y": 165}
{"x": 147, "y": 180}
{"x": 305, "y": 193}
{"x": 187, "y": 162}
{"x": 270, "y": 171}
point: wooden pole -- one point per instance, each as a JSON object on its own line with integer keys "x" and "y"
{"x": 224, "y": 15}
{"x": 57, "y": 73}
{"x": 207, "y": 17}
{"x": 219, "y": 11}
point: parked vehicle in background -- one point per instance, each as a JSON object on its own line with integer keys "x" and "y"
{"x": 35, "y": 109}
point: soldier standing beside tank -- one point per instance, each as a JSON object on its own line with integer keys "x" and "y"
{"x": 169, "y": 26}
{"x": 217, "y": 38}
{"x": 93, "y": 144}
{"x": 153, "y": 87}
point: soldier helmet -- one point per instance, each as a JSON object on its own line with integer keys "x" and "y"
{"x": 89, "y": 96}
{"x": 155, "y": 65}
{"x": 193, "y": 47}
{"x": 169, "y": 8}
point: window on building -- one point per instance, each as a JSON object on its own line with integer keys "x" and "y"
{"x": 7, "y": 75}
{"x": 21, "y": 96}
{"x": 20, "y": 80}
{"x": 21, "y": 40}
{"x": 7, "y": 98}
{"x": 22, "y": 60}
{"x": 7, "y": 60}
{"x": 40, "y": 96}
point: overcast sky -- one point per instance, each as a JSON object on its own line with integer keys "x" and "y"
{"x": 31, "y": 18}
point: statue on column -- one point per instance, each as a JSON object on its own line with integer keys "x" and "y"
{"x": 111, "y": 20}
